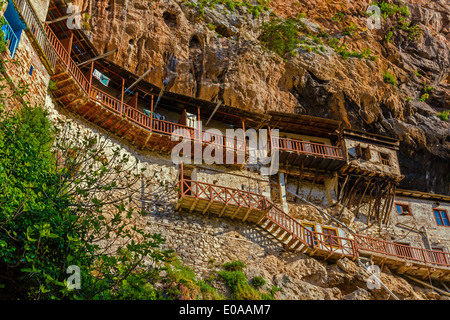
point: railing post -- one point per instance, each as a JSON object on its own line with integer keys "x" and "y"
{"x": 245, "y": 140}
{"x": 122, "y": 109}
{"x": 90, "y": 78}
{"x": 151, "y": 114}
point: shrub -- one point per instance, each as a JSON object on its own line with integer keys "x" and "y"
{"x": 234, "y": 266}
{"x": 333, "y": 42}
{"x": 443, "y": 115}
{"x": 389, "y": 78}
{"x": 280, "y": 35}
{"x": 338, "y": 17}
{"x": 349, "y": 30}
{"x": 258, "y": 282}
{"x": 389, "y": 36}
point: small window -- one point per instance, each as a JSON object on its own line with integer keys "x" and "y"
{"x": 333, "y": 233}
{"x": 31, "y": 70}
{"x": 384, "y": 159}
{"x": 310, "y": 236}
{"x": 403, "y": 209}
{"x": 363, "y": 153}
{"x": 441, "y": 217}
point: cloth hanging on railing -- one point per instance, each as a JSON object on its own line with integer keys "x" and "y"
{"x": 101, "y": 77}
{"x": 155, "y": 115}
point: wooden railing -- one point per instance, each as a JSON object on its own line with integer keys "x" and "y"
{"x": 10, "y": 38}
{"x": 313, "y": 239}
{"x": 37, "y": 29}
{"x": 134, "y": 115}
{"x": 305, "y": 147}
{"x": 403, "y": 251}
{"x": 228, "y": 196}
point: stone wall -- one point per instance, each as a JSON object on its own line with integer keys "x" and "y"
{"x": 18, "y": 70}
{"x": 421, "y": 216}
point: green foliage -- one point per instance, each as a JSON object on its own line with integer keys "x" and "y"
{"x": 236, "y": 265}
{"x": 389, "y": 78}
{"x": 230, "y": 5}
{"x": 333, "y": 42}
{"x": 258, "y": 282}
{"x": 351, "y": 29}
{"x": 365, "y": 54}
{"x": 181, "y": 274}
{"x": 417, "y": 73}
{"x": 443, "y": 115}
{"x": 338, "y": 17}
{"x": 424, "y": 97}
{"x": 55, "y": 193}
{"x": 280, "y": 35}
{"x": 391, "y": 9}
{"x": 52, "y": 85}
{"x": 237, "y": 281}
{"x": 389, "y": 36}
{"x": 415, "y": 33}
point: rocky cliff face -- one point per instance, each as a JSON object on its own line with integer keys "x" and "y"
{"x": 214, "y": 53}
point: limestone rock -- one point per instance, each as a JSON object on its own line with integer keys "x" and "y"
{"x": 360, "y": 294}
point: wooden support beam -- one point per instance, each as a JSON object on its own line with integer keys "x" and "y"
{"x": 236, "y": 212}
{"x": 178, "y": 205}
{"x": 207, "y": 206}
{"x": 97, "y": 57}
{"x": 140, "y": 79}
{"x": 212, "y": 114}
{"x": 223, "y": 209}
{"x": 246, "y": 215}
{"x": 193, "y": 205}
{"x": 405, "y": 267}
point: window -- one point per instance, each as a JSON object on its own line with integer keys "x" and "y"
{"x": 333, "y": 233}
{"x": 363, "y": 153}
{"x": 441, "y": 217}
{"x": 31, "y": 70}
{"x": 384, "y": 159}
{"x": 12, "y": 28}
{"x": 403, "y": 209}
{"x": 309, "y": 235}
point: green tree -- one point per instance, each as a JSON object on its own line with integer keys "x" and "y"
{"x": 67, "y": 198}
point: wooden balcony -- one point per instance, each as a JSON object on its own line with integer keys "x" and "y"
{"x": 406, "y": 259}
{"x": 76, "y": 93}
{"x": 308, "y": 154}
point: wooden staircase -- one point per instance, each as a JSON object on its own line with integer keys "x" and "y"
{"x": 204, "y": 198}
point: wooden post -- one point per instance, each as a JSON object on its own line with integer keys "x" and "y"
{"x": 121, "y": 100}
{"x": 90, "y": 77}
{"x": 198, "y": 123}
{"x": 243, "y": 130}
{"x": 151, "y": 116}
{"x": 69, "y": 48}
